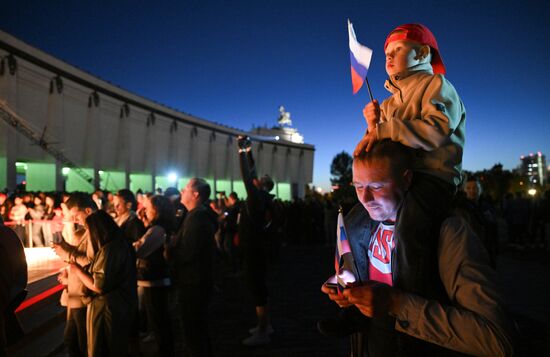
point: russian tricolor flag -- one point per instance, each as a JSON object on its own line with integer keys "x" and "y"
{"x": 360, "y": 57}
{"x": 344, "y": 263}
{"x": 342, "y": 239}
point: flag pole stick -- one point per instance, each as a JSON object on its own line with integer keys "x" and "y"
{"x": 368, "y": 87}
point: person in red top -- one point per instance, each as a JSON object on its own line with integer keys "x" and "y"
{"x": 380, "y": 248}
{"x": 432, "y": 293}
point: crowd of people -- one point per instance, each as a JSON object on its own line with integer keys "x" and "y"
{"x": 425, "y": 243}
{"x": 141, "y": 266}
{"x": 138, "y": 269}
{"x": 135, "y": 254}
{"x": 518, "y": 220}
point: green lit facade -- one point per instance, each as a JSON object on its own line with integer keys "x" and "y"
{"x": 100, "y": 136}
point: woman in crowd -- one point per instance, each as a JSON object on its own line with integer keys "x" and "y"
{"x": 36, "y": 213}
{"x": 17, "y": 214}
{"x": 153, "y": 271}
{"x": 111, "y": 279}
{"x": 49, "y": 215}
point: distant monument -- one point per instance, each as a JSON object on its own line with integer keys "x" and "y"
{"x": 284, "y": 117}
{"x": 284, "y": 131}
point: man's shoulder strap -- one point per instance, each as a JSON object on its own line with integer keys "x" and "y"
{"x": 358, "y": 217}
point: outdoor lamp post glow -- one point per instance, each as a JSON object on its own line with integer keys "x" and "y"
{"x": 172, "y": 177}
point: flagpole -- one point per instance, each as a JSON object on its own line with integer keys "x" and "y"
{"x": 368, "y": 87}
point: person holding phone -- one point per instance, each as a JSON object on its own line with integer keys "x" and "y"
{"x": 78, "y": 249}
{"x": 432, "y": 295}
{"x": 111, "y": 283}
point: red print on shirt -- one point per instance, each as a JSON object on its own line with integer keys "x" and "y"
{"x": 380, "y": 249}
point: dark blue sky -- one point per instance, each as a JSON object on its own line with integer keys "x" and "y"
{"x": 235, "y": 62}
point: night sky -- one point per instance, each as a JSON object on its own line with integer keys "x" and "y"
{"x": 235, "y": 62}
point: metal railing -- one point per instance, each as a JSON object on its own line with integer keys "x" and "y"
{"x": 40, "y": 232}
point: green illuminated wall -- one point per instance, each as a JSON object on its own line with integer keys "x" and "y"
{"x": 77, "y": 183}
{"x": 141, "y": 181}
{"x": 238, "y": 187}
{"x": 224, "y": 185}
{"x": 163, "y": 182}
{"x": 283, "y": 191}
{"x": 212, "y": 192}
{"x": 40, "y": 177}
{"x": 182, "y": 182}
{"x": 112, "y": 180}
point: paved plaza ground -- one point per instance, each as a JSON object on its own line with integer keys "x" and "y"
{"x": 297, "y": 304}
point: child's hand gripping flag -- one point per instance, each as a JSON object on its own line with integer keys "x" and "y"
{"x": 360, "y": 57}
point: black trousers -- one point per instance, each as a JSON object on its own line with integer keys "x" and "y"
{"x": 155, "y": 301}
{"x": 192, "y": 302}
{"x": 75, "y": 332}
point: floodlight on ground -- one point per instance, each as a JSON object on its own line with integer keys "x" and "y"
{"x": 532, "y": 191}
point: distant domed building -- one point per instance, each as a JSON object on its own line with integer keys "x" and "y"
{"x": 62, "y": 128}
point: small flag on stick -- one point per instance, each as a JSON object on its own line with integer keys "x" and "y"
{"x": 360, "y": 57}
{"x": 346, "y": 270}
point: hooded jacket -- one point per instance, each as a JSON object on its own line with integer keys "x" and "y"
{"x": 425, "y": 112}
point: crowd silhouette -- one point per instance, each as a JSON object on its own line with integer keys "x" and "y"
{"x": 147, "y": 222}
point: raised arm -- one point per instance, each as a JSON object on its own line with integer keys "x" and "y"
{"x": 246, "y": 161}
{"x": 248, "y": 172}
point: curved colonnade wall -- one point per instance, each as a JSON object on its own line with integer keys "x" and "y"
{"x": 118, "y": 139}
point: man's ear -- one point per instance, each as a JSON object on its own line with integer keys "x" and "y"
{"x": 422, "y": 52}
{"x": 407, "y": 178}
{"x": 195, "y": 195}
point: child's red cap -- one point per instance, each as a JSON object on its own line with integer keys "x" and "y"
{"x": 421, "y": 34}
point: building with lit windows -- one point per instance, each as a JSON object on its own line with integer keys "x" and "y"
{"x": 62, "y": 128}
{"x": 534, "y": 167}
